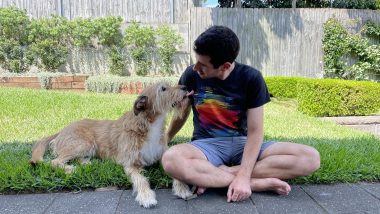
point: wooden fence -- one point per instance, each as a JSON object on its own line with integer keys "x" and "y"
{"x": 285, "y": 42}
{"x": 279, "y": 42}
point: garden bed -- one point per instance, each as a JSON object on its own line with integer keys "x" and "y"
{"x": 74, "y": 82}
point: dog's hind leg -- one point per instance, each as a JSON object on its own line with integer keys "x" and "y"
{"x": 182, "y": 190}
{"x": 78, "y": 149}
{"x": 84, "y": 161}
{"x": 60, "y": 162}
{"x": 145, "y": 196}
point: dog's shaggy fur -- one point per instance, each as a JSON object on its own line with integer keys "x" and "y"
{"x": 135, "y": 140}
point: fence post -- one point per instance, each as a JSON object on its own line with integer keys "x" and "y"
{"x": 60, "y": 7}
{"x": 172, "y": 11}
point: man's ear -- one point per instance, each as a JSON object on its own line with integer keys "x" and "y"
{"x": 140, "y": 104}
{"x": 225, "y": 66}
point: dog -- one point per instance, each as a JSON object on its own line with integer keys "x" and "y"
{"x": 135, "y": 140}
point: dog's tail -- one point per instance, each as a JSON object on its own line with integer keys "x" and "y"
{"x": 39, "y": 149}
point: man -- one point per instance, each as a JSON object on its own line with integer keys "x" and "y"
{"x": 227, "y": 148}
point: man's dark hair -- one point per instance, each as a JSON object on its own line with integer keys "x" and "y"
{"x": 219, "y": 43}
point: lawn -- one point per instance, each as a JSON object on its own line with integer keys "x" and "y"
{"x": 27, "y": 115}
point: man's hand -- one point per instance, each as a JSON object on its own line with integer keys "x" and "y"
{"x": 239, "y": 189}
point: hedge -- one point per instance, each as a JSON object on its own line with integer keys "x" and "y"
{"x": 331, "y": 97}
{"x": 281, "y": 86}
{"x": 328, "y": 97}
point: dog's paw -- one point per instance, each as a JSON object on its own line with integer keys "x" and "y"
{"x": 69, "y": 169}
{"x": 146, "y": 199}
{"x": 182, "y": 190}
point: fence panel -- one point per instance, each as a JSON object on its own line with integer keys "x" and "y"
{"x": 279, "y": 42}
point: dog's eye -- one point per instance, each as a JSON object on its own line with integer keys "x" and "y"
{"x": 163, "y": 88}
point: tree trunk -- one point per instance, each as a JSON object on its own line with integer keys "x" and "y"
{"x": 237, "y": 3}
{"x": 294, "y": 4}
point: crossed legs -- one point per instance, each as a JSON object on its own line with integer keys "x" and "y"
{"x": 279, "y": 161}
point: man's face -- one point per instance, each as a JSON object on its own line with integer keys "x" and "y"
{"x": 205, "y": 69}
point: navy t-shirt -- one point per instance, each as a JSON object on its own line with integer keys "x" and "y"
{"x": 220, "y": 106}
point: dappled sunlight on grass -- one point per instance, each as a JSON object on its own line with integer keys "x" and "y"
{"x": 283, "y": 122}
{"x": 27, "y": 115}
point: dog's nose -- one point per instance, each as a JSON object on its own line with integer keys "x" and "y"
{"x": 182, "y": 87}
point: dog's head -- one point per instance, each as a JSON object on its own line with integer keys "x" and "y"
{"x": 160, "y": 98}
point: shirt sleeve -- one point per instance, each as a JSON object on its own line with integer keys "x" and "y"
{"x": 257, "y": 91}
{"x": 187, "y": 78}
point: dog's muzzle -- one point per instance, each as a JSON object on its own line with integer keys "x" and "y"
{"x": 178, "y": 103}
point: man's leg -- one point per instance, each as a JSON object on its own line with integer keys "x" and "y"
{"x": 284, "y": 160}
{"x": 188, "y": 164}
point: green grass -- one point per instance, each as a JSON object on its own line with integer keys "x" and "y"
{"x": 27, "y": 115}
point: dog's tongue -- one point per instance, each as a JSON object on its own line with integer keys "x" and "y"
{"x": 190, "y": 93}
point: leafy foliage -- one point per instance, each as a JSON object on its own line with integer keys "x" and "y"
{"x": 49, "y": 54}
{"x": 108, "y": 30}
{"x": 349, "y": 4}
{"x": 328, "y": 97}
{"x": 13, "y": 56}
{"x": 286, "y": 87}
{"x": 46, "y": 42}
{"x": 168, "y": 40}
{"x": 14, "y": 24}
{"x": 339, "y": 45}
{"x": 14, "y": 29}
{"x": 140, "y": 40}
{"x": 49, "y": 40}
{"x": 113, "y": 84}
{"x": 355, "y": 4}
{"x": 118, "y": 60}
{"x": 338, "y": 97}
{"x": 83, "y": 32}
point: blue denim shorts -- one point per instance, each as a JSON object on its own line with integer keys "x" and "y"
{"x": 225, "y": 150}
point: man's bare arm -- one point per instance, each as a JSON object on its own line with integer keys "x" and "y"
{"x": 177, "y": 123}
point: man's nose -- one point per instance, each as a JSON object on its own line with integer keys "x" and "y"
{"x": 195, "y": 67}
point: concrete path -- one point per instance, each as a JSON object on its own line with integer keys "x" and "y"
{"x": 309, "y": 199}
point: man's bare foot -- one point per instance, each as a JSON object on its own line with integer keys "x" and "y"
{"x": 200, "y": 190}
{"x": 270, "y": 184}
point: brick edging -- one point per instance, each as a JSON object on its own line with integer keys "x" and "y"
{"x": 75, "y": 82}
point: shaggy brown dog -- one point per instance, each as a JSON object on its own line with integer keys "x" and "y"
{"x": 135, "y": 140}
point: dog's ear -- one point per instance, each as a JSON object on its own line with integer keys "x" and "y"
{"x": 140, "y": 104}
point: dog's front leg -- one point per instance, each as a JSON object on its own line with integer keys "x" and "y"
{"x": 145, "y": 196}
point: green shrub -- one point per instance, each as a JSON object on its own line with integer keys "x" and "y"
{"x": 355, "y": 4}
{"x": 338, "y": 97}
{"x": 50, "y": 39}
{"x": 113, "y": 84}
{"x": 108, "y": 30}
{"x": 117, "y": 57}
{"x": 104, "y": 84}
{"x": 14, "y": 29}
{"x": 283, "y": 86}
{"x": 339, "y": 46}
{"x": 83, "y": 32}
{"x": 14, "y": 24}
{"x": 167, "y": 47}
{"x": 13, "y": 56}
{"x": 141, "y": 42}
